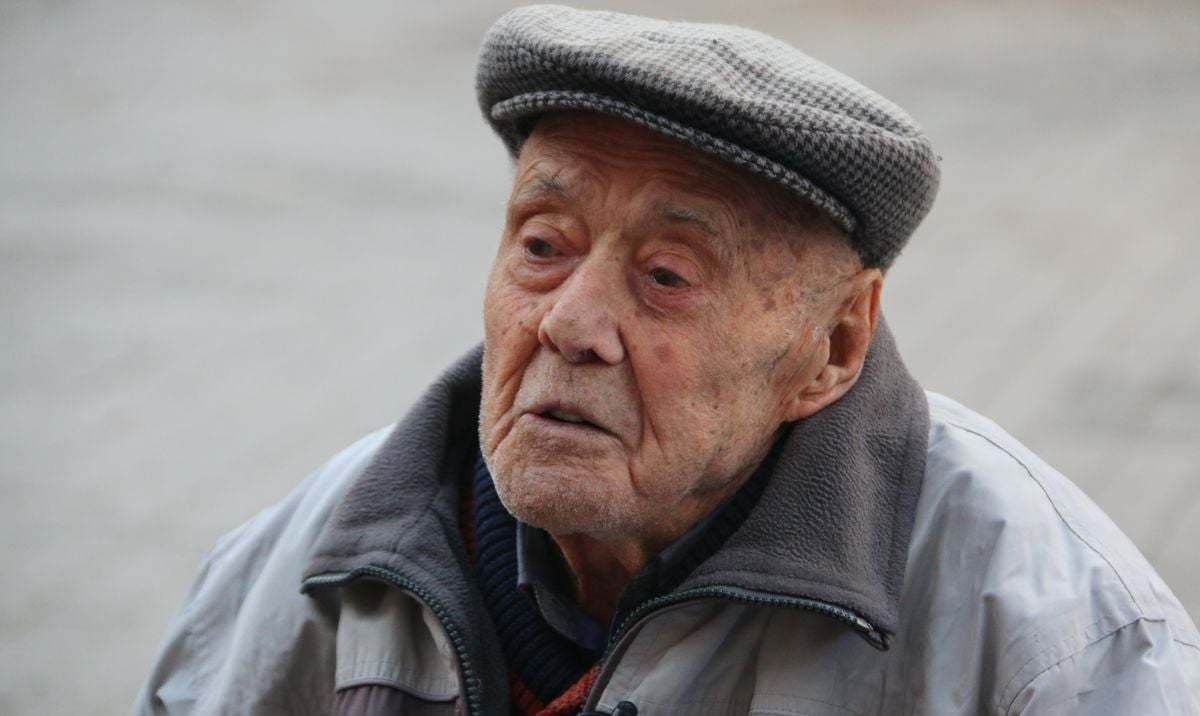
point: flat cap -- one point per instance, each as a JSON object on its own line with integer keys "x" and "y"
{"x": 741, "y": 95}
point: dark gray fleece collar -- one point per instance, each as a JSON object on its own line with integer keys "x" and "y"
{"x": 833, "y": 523}
{"x": 402, "y": 516}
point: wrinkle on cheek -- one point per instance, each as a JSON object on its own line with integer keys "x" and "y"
{"x": 510, "y": 346}
{"x": 502, "y": 394}
{"x": 774, "y": 363}
{"x": 763, "y": 361}
{"x": 794, "y": 358}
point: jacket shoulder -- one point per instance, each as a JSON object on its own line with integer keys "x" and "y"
{"x": 1027, "y": 568}
{"x": 245, "y": 608}
{"x": 287, "y": 528}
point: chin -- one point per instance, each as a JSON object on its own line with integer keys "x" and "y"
{"x": 559, "y": 502}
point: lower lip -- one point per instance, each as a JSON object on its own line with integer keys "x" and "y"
{"x": 562, "y": 427}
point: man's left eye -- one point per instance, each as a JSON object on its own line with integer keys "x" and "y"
{"x": 540, "y": 248}
{"x": 667, "y": 279}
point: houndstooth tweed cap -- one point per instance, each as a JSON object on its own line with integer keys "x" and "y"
{"x": 741, "y": 95}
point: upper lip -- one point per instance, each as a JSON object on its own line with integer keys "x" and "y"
{"x": 569, "y": 408}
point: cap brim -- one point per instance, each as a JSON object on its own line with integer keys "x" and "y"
{"x": 507, "y": 117}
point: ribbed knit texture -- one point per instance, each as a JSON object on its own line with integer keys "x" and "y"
{"x": 572, "y": 700}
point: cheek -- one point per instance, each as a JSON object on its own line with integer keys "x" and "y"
{"x": 684, "y": 388}
{"x": 511, "y": 316}
{"x": 714, "y": 397}
{"x": 507, "y": 309}
{"x": 692, "y": 369}
{"x": 510, "y": 341}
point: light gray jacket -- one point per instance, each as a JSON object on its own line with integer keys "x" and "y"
{"x": 969, "y": 577}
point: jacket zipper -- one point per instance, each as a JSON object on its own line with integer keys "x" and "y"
{"x": 745, "y": 596}
{"x": 470, "y": 683}
{"x": 643, "y": 611}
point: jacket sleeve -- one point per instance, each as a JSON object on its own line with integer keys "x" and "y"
{"x": 1139, "y": 668}
{"x": 193, "y": 651}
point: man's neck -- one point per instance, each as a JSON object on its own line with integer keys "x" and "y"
{"x": 601, "y": 569}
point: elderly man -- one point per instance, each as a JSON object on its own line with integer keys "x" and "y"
{"x": 688, "y": 473}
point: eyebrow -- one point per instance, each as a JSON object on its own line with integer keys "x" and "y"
{"x": 681, "y": 215}
{"x": 544, "y": 185}
{"x": 714, "y": 241}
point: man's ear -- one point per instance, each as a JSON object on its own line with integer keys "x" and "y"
{"x": 845, "y": 345}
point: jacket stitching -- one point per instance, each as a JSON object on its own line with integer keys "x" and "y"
{"x": 1090, "y": 643}
{"x": 800, "y": 700}
{"x": 1081, "y": 538}
{"x": 397, "y": 684}
{"x": 1057, "y": 511}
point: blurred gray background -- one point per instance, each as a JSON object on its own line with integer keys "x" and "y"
{"x": 235, "y": 236}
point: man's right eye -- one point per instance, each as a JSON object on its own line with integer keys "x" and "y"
{"x": 540, "y": 248}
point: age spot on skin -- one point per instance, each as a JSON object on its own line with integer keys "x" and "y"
{"x": 769, "y": 305}
{"x": 663, "y": 353}
{"x": 712, "y": 389}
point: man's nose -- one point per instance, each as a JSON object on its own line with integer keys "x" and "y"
{"x": 582, "y": 322}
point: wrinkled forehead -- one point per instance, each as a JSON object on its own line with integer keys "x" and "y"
{"x": 563, "y": 146}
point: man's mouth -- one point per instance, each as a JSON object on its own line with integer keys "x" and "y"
{"x": 571, "y": 415}
{"x": 591, "y": 415}
{"x": 567, "y": 417}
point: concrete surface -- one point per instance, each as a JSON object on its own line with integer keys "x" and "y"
{"x": 234, "y": 236}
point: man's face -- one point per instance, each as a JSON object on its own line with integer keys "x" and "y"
{"x": 645, "y": 333}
